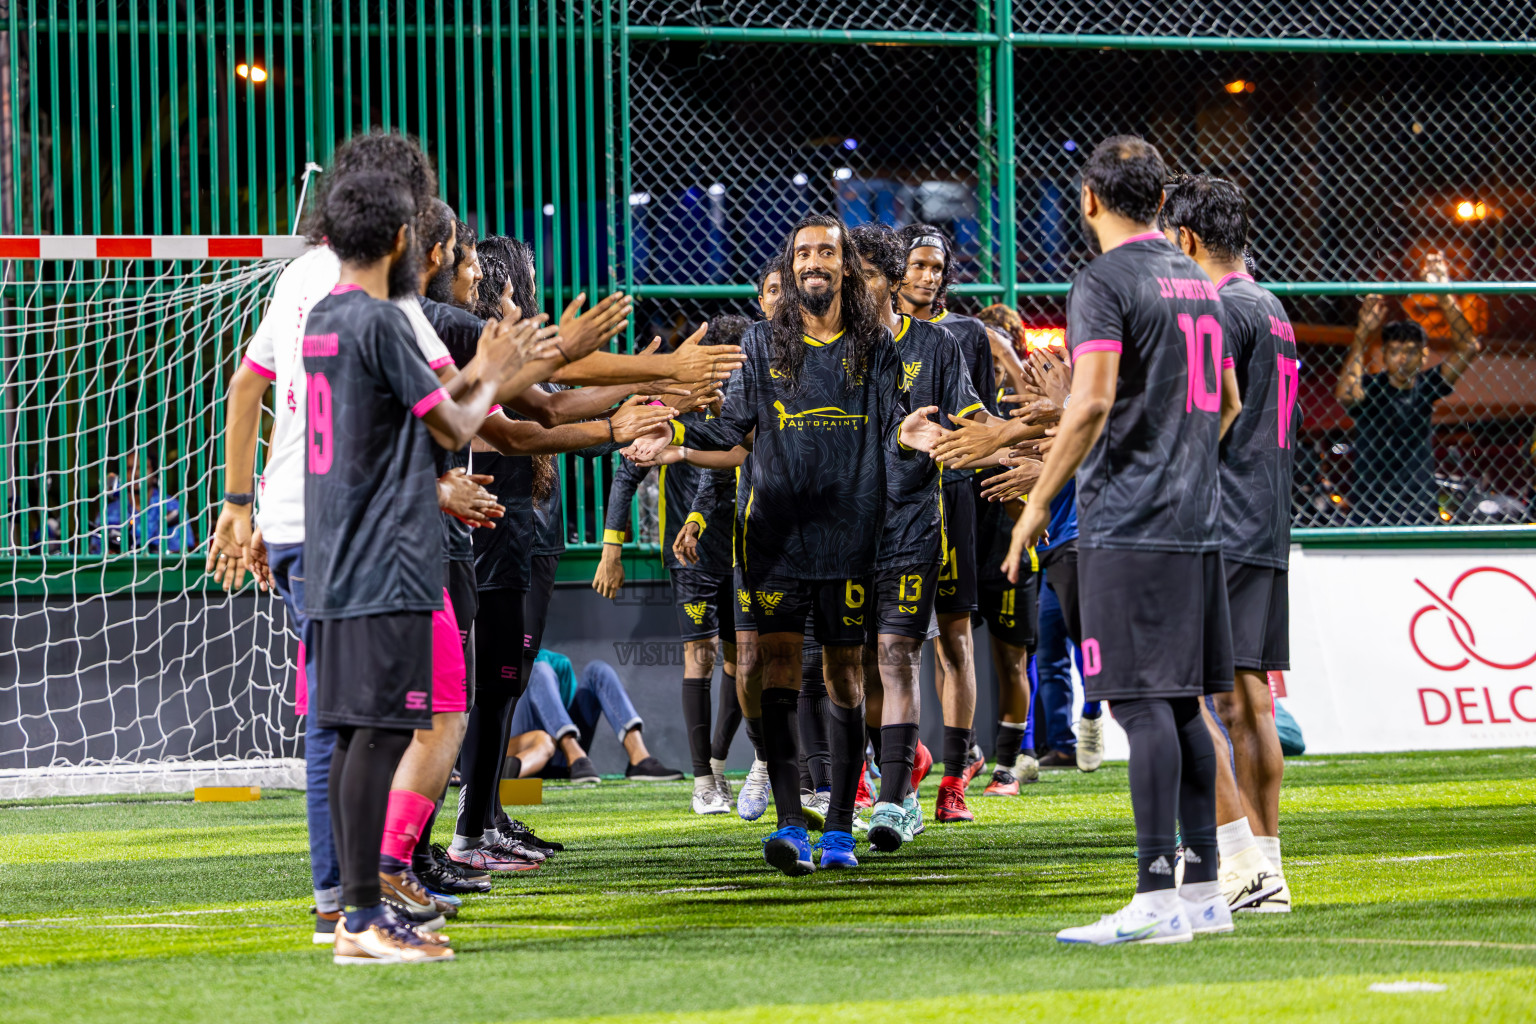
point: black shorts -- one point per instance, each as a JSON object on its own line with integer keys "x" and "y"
{"x": 1155, "y": 624}
{"x": 743, "y": 603}
{"x": 1260, "y": 599}
{"x": 838, "y": 612}
{"x": 541, "y": 587}
{"x": 957, "y": 576}
{"x": 1060, "y": 565}
{"x": 904, "y": 600}
{"x": 466, "y": 602}
{"x": 701, "y": 597}
{"x": 500, "y": 641}
{"x": 1013, "y": 612}
{"x": 373, "y": 671}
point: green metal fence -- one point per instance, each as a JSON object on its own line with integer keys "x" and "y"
{"x": 662, "y": 145}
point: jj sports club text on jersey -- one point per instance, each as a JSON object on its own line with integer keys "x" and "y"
{"x": 1149, "y": 482}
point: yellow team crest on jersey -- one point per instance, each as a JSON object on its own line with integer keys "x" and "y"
{"x": 744, "y": 599}
{"x": 909, "y": 372}
{"x": 826, "y": 417}
{"x": 770, "y": 599}
{"x": 695, "y": 611}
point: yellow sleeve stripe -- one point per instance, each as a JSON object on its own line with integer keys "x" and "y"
{"x": 697, "y": 517}
{"x": 963, "y": 413}
{"x": 613, "y": 536}
{"x": 677, "y": 431}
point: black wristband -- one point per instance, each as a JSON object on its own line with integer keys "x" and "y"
{"x": 611, "y": 438}
{"x": 561, "y": 349}
{"x": 231, "y": 498}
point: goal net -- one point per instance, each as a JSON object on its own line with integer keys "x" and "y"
{"x": 121, "y": 669}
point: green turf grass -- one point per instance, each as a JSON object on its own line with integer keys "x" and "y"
{"x": 1404, "y": 867}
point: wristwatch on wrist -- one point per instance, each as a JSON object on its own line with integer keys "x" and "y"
{"x": 241, "y": 498}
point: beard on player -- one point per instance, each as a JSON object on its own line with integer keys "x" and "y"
{"x": 812, "y": 292}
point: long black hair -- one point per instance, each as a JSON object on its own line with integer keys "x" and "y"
{"x": 384, "y": 152}
{"x": 863, "y": 328}
{"x": 503, "y": 259}
{"x": 916, "y": 236}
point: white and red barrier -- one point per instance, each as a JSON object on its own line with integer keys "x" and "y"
{"x": 151, "y": 247}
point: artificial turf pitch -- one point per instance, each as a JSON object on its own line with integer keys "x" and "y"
{"x": 1405, "y": 868}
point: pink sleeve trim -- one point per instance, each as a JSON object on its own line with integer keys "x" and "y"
{"x": 429, "y": 403}
{"x": 342, "y": 289}
{"x": 1097, "y": 345}
{"x": 1228, "y": 363}
{"x": 492, "y": 411}
{"x": 440, "y": 362}
{"x": 258, "y": 369}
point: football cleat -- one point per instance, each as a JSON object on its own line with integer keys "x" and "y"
{"x": 485, "y": 858}
{"x": 1210, "y": 917}
{"x": 1278, "y": 902}
{"x": 914, "y": 811}
{"x": 1248, "y": 877}
{"x": 1130, "y": 924}
{"x": 753, "y": 798}
{"x": 707, "y": 798}
{"x": 391, "y": 941}
{"x": 975, "y": 764}
{"x": 865, "y": 797}
{"x": 1003, "y": 784}
{"x": 837, "y": 850}
{"x": 888, "y": 827}
{"x": 922, "y": 764}
{"x": 789, "y": 850}
{"x": 815, "y": 806}
{"x": 1026, "y": 769}
{"x": 951, "y": 803}
{"x": 1090, "y": 743}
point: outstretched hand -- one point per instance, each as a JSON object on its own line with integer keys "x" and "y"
{"x": 1015, "y": 483}
{"x": 918, "y": 432}
{"x": 581, "y": 334}
{"x": 1026, "y": 534}
{"x": 969, "y": 441}
{"x": 637, "y": 418}
{"x": 692, "y": 362}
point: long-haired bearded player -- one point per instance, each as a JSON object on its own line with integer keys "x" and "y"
{"x": 820, "y": 388}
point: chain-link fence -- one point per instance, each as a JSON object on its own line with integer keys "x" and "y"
{"x": 664, "y": 146}
{"x": 1363, "y": 159}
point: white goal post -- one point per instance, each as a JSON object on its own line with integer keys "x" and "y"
{"x": 121, "y": 670}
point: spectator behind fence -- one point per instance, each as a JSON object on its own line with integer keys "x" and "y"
{"x": 1394, "y": 466}
{"x": 557, "y": 718}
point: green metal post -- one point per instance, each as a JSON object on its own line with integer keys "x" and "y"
{"x": 986, "y": 141}
{"x": 1007, "y": 208}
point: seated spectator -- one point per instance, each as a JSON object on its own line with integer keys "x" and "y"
{"x": 1394, "y": 465}
{"x": 557, "y": 718}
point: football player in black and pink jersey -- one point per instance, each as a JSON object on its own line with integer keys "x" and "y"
{"x": 1140, "y": 432}
{"x": 1207, "y": 218}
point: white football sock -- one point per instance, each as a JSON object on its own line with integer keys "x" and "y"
{"x": 1234, "y": 837}
{"x": 717, "y": 767}
{"x": 1270, "y": 847}
{"x": 462, "y": 843}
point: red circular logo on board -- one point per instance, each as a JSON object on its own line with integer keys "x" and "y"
{"x": 1472, "y": 622}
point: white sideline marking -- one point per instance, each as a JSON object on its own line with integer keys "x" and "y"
{"x": 121, "y": 917}
{"x": 699, "y": 888}
{"x": 1407, "y": 986}
{"x": 100, "y": 803}
{"x": 1426, "y": 856}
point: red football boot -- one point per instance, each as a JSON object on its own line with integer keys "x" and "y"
{"x": 922, "y": 764}
{"x": 951, "y": 805}
{"x": 864, "y": 798}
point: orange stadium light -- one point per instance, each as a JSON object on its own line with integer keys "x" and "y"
{"x": 1469, "y": 210}
{"x": 251, "y": 72}
{"x": 1239, "y": 86}
{"x": 1036, "y": 338}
